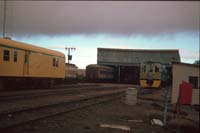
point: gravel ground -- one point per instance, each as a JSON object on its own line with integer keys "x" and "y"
{"x": 13, "y": 105}
{"x": 88, "y": 120}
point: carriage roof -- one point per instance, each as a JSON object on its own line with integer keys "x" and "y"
{"x": 27, "y": 47}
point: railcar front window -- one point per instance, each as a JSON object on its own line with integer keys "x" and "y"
{"x": 144, "y": 68}
{"x": 156, "y": 69}
{"x": 15, "y": 56}
{"x": 6, "y": 54}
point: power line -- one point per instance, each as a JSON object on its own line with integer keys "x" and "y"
{"x": 69, "y": 57}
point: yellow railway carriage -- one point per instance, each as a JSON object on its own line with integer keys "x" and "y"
{"x": 20, "y": 62}
{"x": 150, "y": 75}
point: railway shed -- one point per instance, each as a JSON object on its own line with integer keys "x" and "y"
{"x": 126, "y": 62}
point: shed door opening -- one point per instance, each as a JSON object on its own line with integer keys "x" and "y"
{"x": 130, "y": 74}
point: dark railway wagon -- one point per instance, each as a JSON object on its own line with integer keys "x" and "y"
{"x": 71, "y": 73}
{"x": 99, "y": 73}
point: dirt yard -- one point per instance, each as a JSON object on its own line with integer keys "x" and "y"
{"x": 118, "y": 117}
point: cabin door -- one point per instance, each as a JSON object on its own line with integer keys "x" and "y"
{"x": 26, "y": 63}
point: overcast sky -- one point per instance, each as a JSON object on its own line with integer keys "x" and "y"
{"x": 88, "y": 25}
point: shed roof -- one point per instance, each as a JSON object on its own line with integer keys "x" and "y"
{"x": 98, "y": 66}
{"x": 24, "y": 46}
{"x": 140, "y": 50}
{"x": 113, "y": 56}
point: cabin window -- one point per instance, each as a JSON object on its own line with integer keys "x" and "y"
{"x": 6, "y": 54}
{"x": 194, "y": 81}
{"x": 15, "y": 56}
{"x": 150, "y": 70}
{"x": 144, "y": 68}
{"x": 156, "y": 69}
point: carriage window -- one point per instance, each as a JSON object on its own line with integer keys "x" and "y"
{"x": 6, "y": 55}
{"x": 54, "y": 62}
{"x": 156, "y": 69}
{"x": 26, "y": 58}
{"x": 15, "y": 56}
{"x": 106, "y": 72}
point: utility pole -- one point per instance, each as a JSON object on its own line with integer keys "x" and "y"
{"x": 69, "y": 57}
{"x": 4, "y": 19}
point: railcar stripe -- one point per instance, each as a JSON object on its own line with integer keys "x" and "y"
{"x": 142, "y": 75}
{"x": 156, "y": 75}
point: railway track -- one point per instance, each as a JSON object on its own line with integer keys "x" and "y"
{"x": 9, "y": 96}
{"x": 20, "y": 117}
{"x": 28, "y": 100}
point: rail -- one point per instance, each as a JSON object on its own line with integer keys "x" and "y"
{"x": 20, "y": 117}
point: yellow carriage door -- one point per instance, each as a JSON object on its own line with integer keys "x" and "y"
{"x": 26, "y": 64}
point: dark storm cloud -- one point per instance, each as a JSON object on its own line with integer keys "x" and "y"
{"x": 123, "y": 18}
